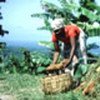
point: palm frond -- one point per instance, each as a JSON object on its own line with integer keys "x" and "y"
{"x": 71, "y": 12}
{"x": 90, "y": 29}
{"x": 44, "y": 28}
{"x": 40, "y": 15}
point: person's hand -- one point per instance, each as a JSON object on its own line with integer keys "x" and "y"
{"x": 50, "y": 67}
{"x": 54, "y": 66}
{"x": 65, "y": 62}
{"x": 58, "y": 66}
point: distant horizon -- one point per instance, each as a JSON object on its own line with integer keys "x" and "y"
{"x": 18, "y": 21}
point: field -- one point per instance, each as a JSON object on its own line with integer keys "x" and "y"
{"x": 29, "y": 87}
{"x": 17, "y": 83}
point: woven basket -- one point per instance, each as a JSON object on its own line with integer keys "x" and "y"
{"x": 57, "y": 83}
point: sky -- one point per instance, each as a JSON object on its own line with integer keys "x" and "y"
{"x": 18, "y": 21}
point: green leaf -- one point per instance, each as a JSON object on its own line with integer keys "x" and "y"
{"x": 40, "y": 69}
{"x": 78, "y": 73}
{"x": 40, "y": 15}
{"x": 94, "y": 32}
{"x": 84, "y": 69}
{"x": 46, "y": 44}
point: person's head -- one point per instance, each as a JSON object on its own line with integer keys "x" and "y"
{"x": 57, "y": 25}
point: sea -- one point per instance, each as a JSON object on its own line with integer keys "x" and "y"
{"x": 95, "y": 50}
{"x": 16, "y": 46}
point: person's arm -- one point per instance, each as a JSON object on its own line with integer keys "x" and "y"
{"x": 73, "y": 45}
{"x": 67, "y": 61}
{"x": 56, "y": 53}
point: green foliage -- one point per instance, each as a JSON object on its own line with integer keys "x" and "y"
{"x": 28, "y": 62}
{"x": 86, "y": 12}
{"x": 41, "y": 15}
{"x": 29, "y": 87}
{"x": 47, "y": 44}
{"x": 40, "y": 69}
{"x": 26, "y": 86}
{"x": 21, "y": 86}
{"x": 81, "y": 70}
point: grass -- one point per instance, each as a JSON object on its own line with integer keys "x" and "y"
{"x": 29, "y": 87}
{"x": 22, "y": 86}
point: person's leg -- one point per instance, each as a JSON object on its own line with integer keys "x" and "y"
{"x": 75, "y": 60}
{"x": 66, "y": 51}
{"x": 82, "y": 41}
{"x": 66, "y": 54}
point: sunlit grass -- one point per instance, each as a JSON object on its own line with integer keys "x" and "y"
{"x": 29, "y": 87}
{"x": 21, "y": 86}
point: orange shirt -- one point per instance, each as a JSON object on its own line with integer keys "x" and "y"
{"x": 69, "y": 31}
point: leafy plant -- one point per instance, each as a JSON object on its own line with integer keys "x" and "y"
{"x": 28, "y": 62}
{"x": 84, "y": 15}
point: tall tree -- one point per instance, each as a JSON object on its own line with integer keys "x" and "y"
{"x": 2, "y": 31}
{"x": 86, "y": 14}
